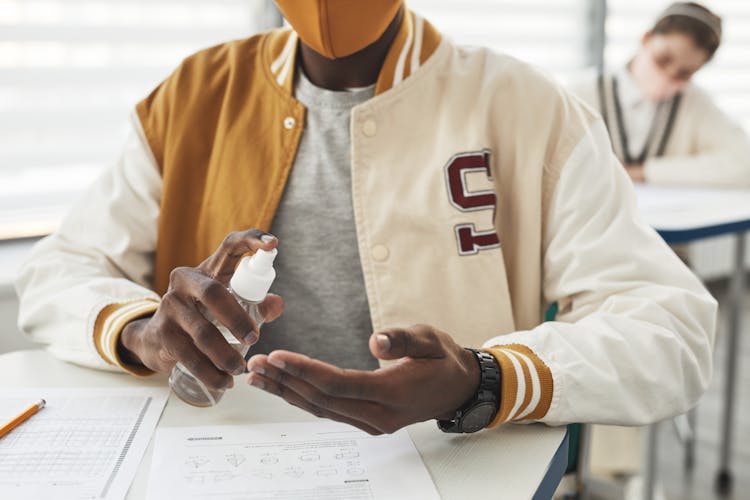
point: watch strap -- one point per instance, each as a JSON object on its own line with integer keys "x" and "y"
{"x": 488, "y": 391}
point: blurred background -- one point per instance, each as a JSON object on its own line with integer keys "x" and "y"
{"x": 72, "y": 70}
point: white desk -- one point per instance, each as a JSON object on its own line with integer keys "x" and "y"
{"x": 514, "y": 461}
{"x": 682, "y": 215}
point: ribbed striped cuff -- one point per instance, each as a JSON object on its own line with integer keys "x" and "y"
{"x": 109, "y": 324}
{"x": 527, "y": 384}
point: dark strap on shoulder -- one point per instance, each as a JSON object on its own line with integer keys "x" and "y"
{"x": 623, "y": 135}
{"x": 669, "y": 126}
{"x": 604, "y": 109}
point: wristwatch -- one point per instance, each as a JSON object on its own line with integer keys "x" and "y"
{"x": 480, "y": 410}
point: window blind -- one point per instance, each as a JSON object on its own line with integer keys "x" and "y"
{"x": 70, "y": 74}
{"x": 550, "y": 34}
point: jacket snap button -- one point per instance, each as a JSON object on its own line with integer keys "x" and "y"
{"x": 289, "y": 122}
{"x": 369, "y": 128}
{"x": 379, "y": 253}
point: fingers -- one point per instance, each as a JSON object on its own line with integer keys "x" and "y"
{"x": 220, "y": 265}
{"x": 271, "y": 307}
{"x": 178, "y": 346}
{"x": 323, "y": 385}
{"x": 205, "y": 336}
{"x": 327, "y": 378}
{"x": 301, "y": 390}
{"x": 191, "y": 285}
{"x": 418, "y": 341}
{"x": 178, "y": 332}
{"x": 270, "y": 385}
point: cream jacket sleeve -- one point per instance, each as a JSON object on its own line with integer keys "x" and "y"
{"x": 100, "y": 257}
{"x": 721, "y": 156}
{"x": 633, "y": 339}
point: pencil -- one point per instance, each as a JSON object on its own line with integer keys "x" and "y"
{"x": 24, "y": 416}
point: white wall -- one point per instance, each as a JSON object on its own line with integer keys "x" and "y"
{"x": 10, "y": 338}
{"x": 12, "y": 255}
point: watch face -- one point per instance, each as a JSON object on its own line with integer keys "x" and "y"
{"x": 477, "y": 417}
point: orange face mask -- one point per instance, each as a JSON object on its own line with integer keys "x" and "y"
{"x": 338, "y": 28}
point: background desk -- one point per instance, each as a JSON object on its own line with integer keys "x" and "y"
{"x": 682, "y": 215}
{"x": 514, "y": 461}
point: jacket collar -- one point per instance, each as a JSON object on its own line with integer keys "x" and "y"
{"x": 415, "y": 42}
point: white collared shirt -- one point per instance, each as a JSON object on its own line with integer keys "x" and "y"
{"x": 637, "y": 110}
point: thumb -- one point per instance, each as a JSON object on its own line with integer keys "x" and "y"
{"x": 418, "y": 341}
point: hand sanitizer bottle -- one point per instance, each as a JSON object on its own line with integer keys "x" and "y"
{"x": 249, "y": 285}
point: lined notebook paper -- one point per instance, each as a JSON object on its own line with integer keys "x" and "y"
{"x": 86, "y": 443}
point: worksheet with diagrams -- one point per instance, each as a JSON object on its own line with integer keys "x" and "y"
{"x": 312, "y": 461}
{"x": 84, "y": 444}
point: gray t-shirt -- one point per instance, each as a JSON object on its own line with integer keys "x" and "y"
{"x": 318, "y": 268}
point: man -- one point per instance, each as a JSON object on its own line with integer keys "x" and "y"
{"x": 409, "y": 181}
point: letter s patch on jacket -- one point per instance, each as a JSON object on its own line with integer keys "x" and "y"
{"x": 471, "y": 240}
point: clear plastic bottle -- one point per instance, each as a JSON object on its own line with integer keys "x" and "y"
{"x": 249, "y": 285}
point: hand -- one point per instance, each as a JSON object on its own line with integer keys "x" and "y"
{"x": 636, "y": 172}
{"x": 432, "y": 378}
{"x": 179, "y": 332}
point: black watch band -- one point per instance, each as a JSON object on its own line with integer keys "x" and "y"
{"x": 480, "y": 410}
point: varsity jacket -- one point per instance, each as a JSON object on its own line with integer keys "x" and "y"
{"x": 482, "y": 193}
